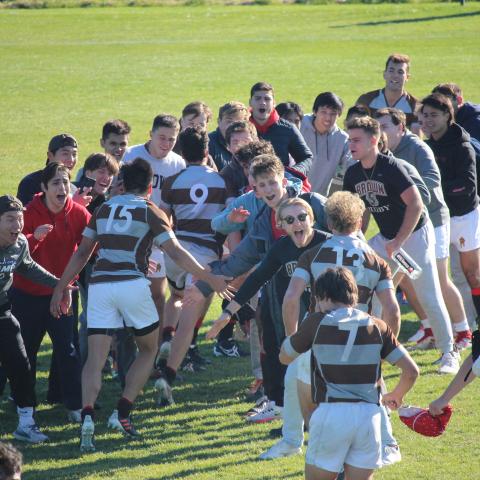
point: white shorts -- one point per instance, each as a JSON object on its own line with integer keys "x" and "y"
{"x": 159, "y": 258}
{"x": 334, "y": 441}
{"x": 465, "y": 231}
{"x": 304, "y": 367}
{"x": 442, "y": 241}
{"x": 178, "y": 277}
{"x": 119, "y": 304}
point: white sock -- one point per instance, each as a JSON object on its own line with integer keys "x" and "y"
{"x": 25, "y": 417}
{"x": 461, "y": 326}
{"x": 425, "y": 323}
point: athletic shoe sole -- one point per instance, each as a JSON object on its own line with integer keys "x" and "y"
{"x": 164, "y": 391}
{"x": 86, "y": 439}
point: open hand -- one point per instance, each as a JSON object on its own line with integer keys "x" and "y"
{"x": 83, "y": 197}
{"x": 238, "y": 215}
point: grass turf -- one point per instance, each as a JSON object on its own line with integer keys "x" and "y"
{"x": 71, "y": 70}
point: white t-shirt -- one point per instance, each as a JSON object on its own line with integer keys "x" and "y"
{"x": 162, "y": 168}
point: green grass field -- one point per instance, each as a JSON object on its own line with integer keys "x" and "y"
{"x": 72, "y": 69}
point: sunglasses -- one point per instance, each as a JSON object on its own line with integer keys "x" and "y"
{"x": 290, "y": 219}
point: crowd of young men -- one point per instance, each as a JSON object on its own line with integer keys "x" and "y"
{"x": 200, "y": 212}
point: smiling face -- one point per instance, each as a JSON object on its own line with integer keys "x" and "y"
{"x": 434, "y": 122}
{"x": 270, "y": 188}
{"x": 11, "y": 225}
{"x": 325, "y": 119}
{"x": 396, "y": 76}
{"x": 162, "y": 140}
{"x": 262, "y": 103}
{"x": 300, "y": 231}
{"x": 66, "y": 155}
{"x": 57, "y": 191}
{"x": 103, "y": 179}
{"x": 115, "y": 144}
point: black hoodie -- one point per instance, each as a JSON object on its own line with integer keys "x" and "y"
{"x": 456, "y": 160}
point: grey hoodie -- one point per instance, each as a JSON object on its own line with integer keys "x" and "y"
{"x": 416, "y": 152}
{"x": 331, "y": 156}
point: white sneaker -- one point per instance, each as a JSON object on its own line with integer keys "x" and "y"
{"x": 75, "y": 416}
{"x": 390, "y": 455}
{"x": 164, "y": 391}
{"x": 114, "y": 422}
{"x": 280, "y": 449}
{"x": 449, "y": 363}
{"x": 165, "y": 349}
{"x": 30, "y": 434}
{"x": 86, "y": 437}
{"x": 417, "y": 335}
{"x": 267, "y": 414}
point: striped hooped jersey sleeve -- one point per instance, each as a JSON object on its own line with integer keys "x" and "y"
{"x": 125, "y": 228}
{"x": 195, "y": 196}
{"x": 371, "y": 272}
{"x": 348, "y": 346}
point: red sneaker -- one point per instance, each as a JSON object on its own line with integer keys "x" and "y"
{"x": 427, "y": 341}
{"x": 463, "y": 339}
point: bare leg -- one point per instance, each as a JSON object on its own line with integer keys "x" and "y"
{"x": 306, "y": 404}
{"x": 173, "y": 307}
{"x": 98, "y": 348}
{"x": 407, "y": 288}
{"x": 354, "y": 473}
{"x": 140, "y": 369}
{"x": 315, "y": 473}
{"x": 158, "y": 288}
{"x": 470, "y": 262}
{"x": 453, "y": 299}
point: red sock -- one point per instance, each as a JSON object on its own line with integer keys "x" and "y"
{"x": 124, "y": 407}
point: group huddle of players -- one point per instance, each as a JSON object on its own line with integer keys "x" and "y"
{"x": 269, "y": 211}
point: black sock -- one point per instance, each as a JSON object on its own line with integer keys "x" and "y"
{"x": 195, "y": 335}
{"x": 124, "y": 407}
{"x": 88, "y": 410}
{"x": 226, "y": 332}
{"x": 476, "y": 301}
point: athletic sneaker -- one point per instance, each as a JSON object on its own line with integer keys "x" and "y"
{"x": 75, "y": 416}
{"x": 280, "y": 449}
{"x": 463, "y": 339}
{"x": 267, "y": 414}
{"x": 228, "y": 348}
{"x": 86, "y": 436}
{"x": 122, "y": 425}
{"x": 196, "y": 358}
{"x": 449, "y": 363}
{"x": 390, "y": 455}
{"x": 164, "y": 391}
{"x": 417, "y": 335}
{"x": 427, "y": 341}
{"x": 30, "y": 434}
{"x": 164, "y": 350}
{"x": 260, "y": 404}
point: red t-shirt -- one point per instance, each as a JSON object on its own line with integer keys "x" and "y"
{"x": 277, "y": 232}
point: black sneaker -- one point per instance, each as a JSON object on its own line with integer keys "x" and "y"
{"x": 228, "y": 348}
{"x": 194, "y": 354}
{"x": 127, "y": 427}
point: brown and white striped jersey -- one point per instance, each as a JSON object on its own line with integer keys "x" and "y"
{"x": 195, "y": 196}
{"x": 371, "y": 272}
{"x": 347, "y": 346}
{"x": 125, "y": 228}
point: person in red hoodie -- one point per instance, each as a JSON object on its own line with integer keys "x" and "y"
{"x": 53, "y": 226}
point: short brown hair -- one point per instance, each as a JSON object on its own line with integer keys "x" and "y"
{"x": 290, "y": 203}
{"x": 398, "y": 58}
{"x": 196, "y": 109}
{"x": 117, "y": 127}
{"x": 246, "y": 153}
{"x": 338, "y": 285}
{"x": 344, "y": 210}
{"x": 367, "y": 124}
{"x": 448, "y": 89}
{"x": 261, "y": 87}
{"x": 101, "y": 160}
{"x": 165, "y": 120}
{"x": 51, "y": 170}
{"x": 397, "y": 116}
{"x": 237, "y": 127}
{"x": 439, "y": 102}
{"x": 266, "y": 165}
{"x": 233, "y": 108}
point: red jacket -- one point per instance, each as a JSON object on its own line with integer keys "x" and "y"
{"x": 54, "y": 251}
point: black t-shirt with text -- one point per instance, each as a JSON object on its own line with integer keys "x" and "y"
{"x": 380, "y": 188}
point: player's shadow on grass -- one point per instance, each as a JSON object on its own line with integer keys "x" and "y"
{"x": 408, "y": 20}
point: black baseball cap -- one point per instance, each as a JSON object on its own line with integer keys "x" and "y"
{"x": 9, "y": 203}
{"x": 60, "y": 141}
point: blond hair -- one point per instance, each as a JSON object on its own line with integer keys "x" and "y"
{"x": 344, "y": 210}
{"x": 291, "y": 202}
